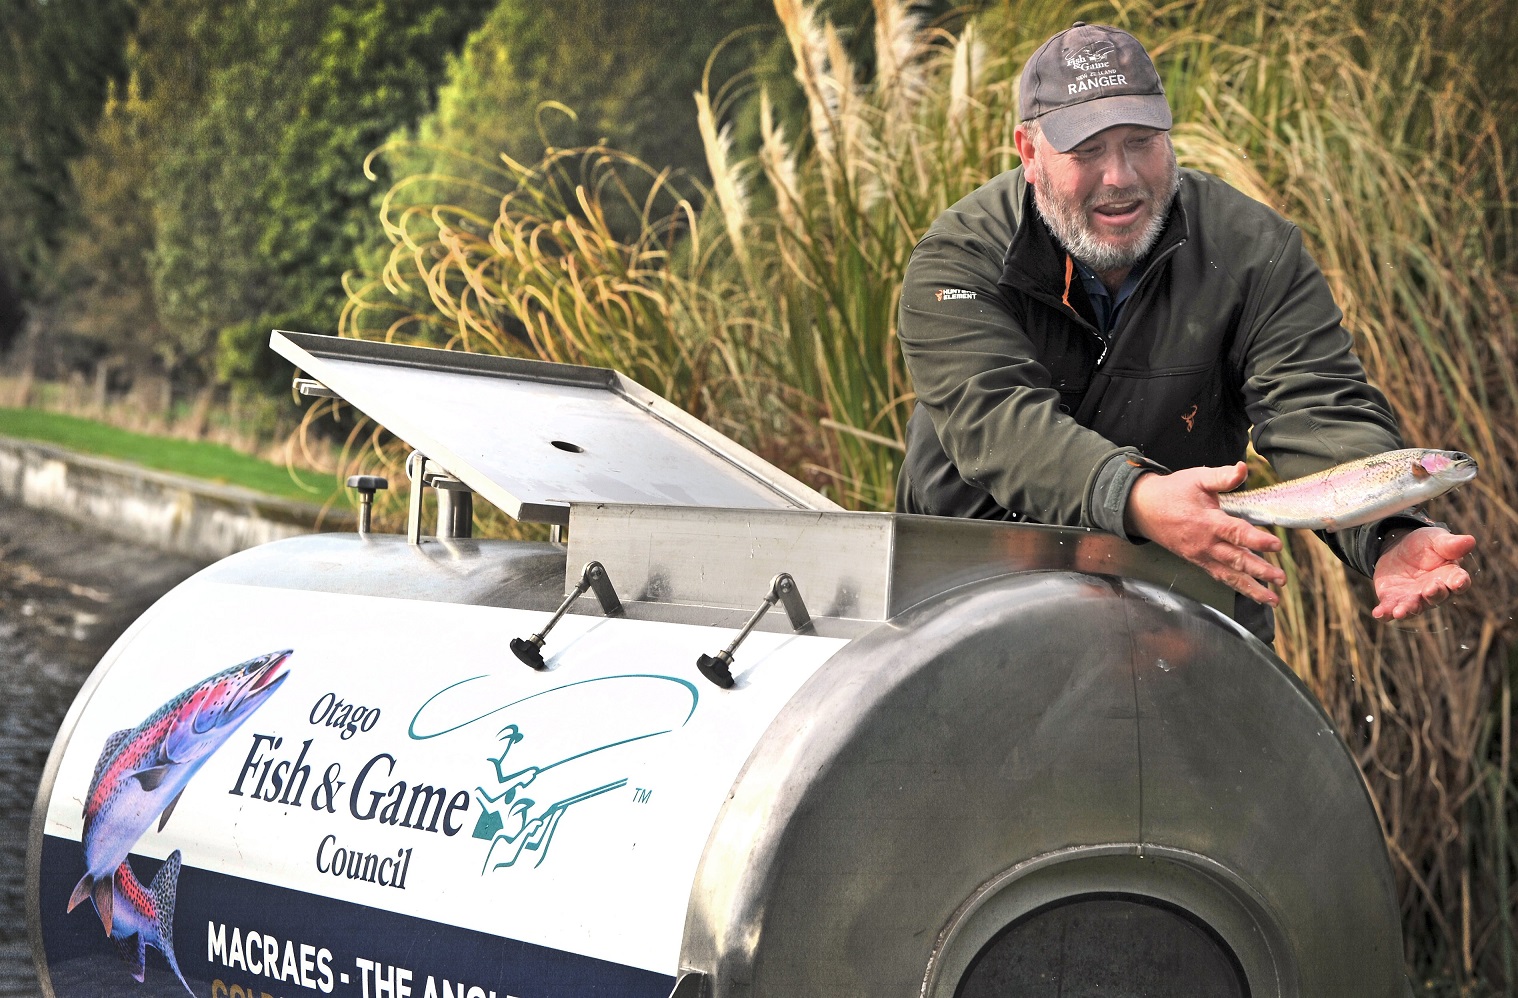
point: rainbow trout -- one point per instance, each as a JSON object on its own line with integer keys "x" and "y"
{"x": 1353, "y": 493}
{"x": 142, "y": 771}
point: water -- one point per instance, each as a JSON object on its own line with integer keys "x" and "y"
{"x": 66, "y": 593}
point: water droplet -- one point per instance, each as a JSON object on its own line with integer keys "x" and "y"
{"x": 1164, "y": 665}
{"x": 1370, "y": 718}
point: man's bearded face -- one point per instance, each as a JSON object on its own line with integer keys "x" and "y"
{"x": 1106, "y": 199}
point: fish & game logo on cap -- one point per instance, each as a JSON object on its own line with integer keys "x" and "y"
{"x": 1091, "y": 58}
{"x": 1088, "y": 78}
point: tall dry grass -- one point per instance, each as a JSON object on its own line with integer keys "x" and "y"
{"x": 1396, "y": 174}
{"x": 766, "y": 305}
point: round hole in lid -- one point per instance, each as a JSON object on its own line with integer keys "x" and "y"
{"x": 565, "y": 445}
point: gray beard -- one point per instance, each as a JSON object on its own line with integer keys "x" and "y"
{"x": 1066, "y": 219}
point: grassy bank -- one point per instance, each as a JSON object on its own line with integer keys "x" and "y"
{"x": 211, "y": 462}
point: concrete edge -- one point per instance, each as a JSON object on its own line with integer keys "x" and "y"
{"x": 175, "y": 513}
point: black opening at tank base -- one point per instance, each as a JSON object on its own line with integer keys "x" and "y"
{"x": 565, "y": 445}
{"x": 1111, "y": 945}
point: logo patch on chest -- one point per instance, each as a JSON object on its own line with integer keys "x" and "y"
{"x": 952, "y": 294}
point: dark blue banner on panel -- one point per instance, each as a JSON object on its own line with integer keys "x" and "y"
{"x": 236, "y": 938}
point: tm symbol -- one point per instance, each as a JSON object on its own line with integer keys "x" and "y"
{"x": 641, "y": 796}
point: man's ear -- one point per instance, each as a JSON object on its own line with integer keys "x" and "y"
{"x": 1027, "y": 150}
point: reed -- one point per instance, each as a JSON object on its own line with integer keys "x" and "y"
{"x": 1393, "y": 178}
{"x": 766, "y": 304}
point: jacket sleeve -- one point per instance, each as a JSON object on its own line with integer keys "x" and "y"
{"x": 1305, "y": 391}
{"x": 976, "y": 372}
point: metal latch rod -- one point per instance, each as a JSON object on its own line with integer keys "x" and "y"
{"x": 593, "y": 577}
{"x": 718, "y": 668}
{"x": 367, "y": 485}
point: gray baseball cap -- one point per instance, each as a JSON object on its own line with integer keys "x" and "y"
{"x": 1088, "y": 78}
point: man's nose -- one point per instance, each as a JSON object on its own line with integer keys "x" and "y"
{"x": 1117, "y": 171}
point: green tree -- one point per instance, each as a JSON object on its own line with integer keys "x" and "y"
{"x": 57, "y": 59}
{"x": 105, "y": 284}
{"x": 584, "y": 73}
{"x": 259, "y": 197}
{"x": 579, "y": 72}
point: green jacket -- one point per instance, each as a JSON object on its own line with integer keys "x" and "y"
{"x": 1026, "y": 412}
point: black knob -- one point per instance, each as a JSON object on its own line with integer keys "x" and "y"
{"x": 530, "y": 651}
{"x": 368, "y": 483}
{"x": 717, "y": 668}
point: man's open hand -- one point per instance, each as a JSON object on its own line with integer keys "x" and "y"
{"x": 1420, "y": 570}
{"x": 1180, "y": 512}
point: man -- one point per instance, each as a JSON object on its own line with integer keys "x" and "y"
{"x": 1083, "y": 324}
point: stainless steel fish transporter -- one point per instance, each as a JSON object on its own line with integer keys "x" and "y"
{"x": 726, "y": 739}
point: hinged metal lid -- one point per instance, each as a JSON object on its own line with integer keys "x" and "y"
{"x": 533, "y": 437}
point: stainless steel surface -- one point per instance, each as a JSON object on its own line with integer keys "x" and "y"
{"x": 864, "y": 566}
{"x": 468, "y": 572}
{"x": 477, "y": 572}
{"x": 1025, "y": 716}
{"x": 455, "y": 509}
{"x": 532, "y": 437}
{"x": 1023, "y": 739}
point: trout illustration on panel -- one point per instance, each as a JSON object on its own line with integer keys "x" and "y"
{"x": 143, "y": 771}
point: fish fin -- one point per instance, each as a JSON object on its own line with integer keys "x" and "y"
{"x": 139, "y": 957}
{"x": 163, "y": 819}
{"x": 151, "y": 779}
{"x": 1419, "y": 472}
{"x": 112, "y": 745}
{"x": 104, "y": 891}
{"x": 165, "y": 890}
{"x": 134, "y": 951}
{"x": 82, "y": 890}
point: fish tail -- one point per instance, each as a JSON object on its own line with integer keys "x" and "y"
{"x": 101, "y": 891}
{"x": 165, "y": 891}
{"x": 82, "y": 890}
{"x": 105, "y": 900}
